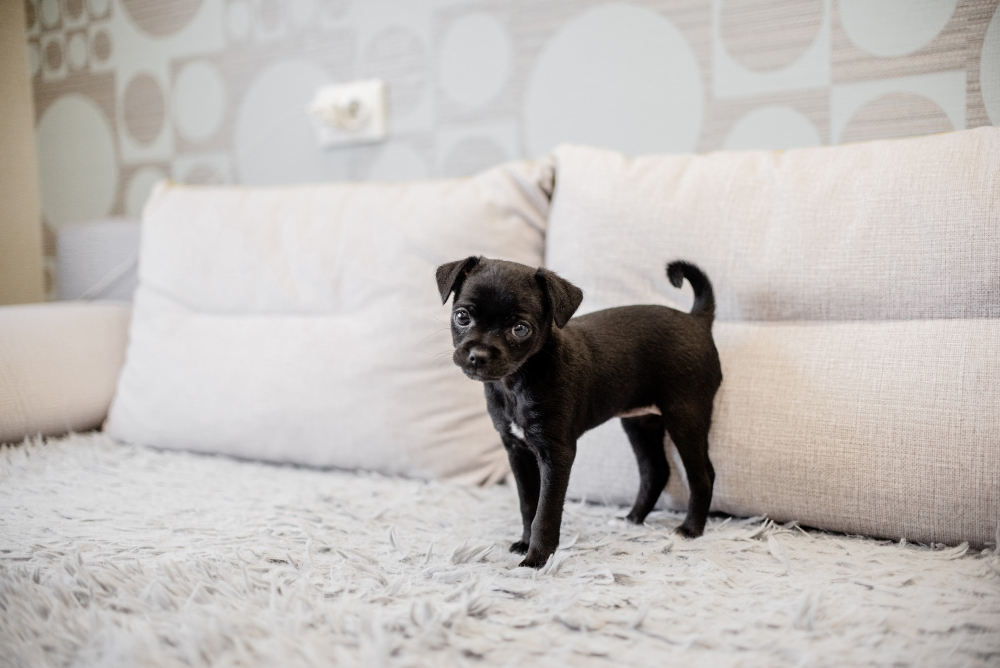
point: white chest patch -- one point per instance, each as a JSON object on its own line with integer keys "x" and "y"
{"x": 517, "y": 431}
{"x": 638, "y": 412}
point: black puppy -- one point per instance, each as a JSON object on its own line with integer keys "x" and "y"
{"x": 548, "y": 379}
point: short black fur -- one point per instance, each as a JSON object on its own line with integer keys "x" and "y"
{"x": 549, "y": 378}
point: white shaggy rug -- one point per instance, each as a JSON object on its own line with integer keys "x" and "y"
{"x": 120, "y": 556}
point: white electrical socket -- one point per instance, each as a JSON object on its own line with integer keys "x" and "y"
{"x": 351, "y": 113}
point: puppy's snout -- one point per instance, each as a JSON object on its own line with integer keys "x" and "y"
{"x": 478, "y": 356}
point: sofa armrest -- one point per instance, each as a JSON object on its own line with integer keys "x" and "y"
{"x": 59, "y": 365}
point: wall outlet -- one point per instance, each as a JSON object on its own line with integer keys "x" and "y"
{"x": 351, "y": 113}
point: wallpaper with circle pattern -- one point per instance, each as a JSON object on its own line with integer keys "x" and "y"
{"x": 213, "y": 91}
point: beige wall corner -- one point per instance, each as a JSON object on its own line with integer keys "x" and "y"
{"x": 21, "y": 273}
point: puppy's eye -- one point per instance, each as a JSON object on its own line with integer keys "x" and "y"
{"x": 521, "y": 330}
{"x": 462, "y": 318}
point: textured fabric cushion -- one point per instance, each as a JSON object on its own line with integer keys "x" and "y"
{"x": 887, "y": 229}
{"x": 96, "y": 259}
{"x": 303, "y": 324}
{"x": 58, "y": 366}
{"x": 885, "y": 428}
{"x": 873, "y": 408}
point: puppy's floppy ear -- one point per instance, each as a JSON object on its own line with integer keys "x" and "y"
{"x": 564, "y": 298}
{"x": 451, "y": 275}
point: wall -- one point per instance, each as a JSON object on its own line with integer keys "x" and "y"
{"x": 130, "y": 91}
{"x": 21, "y": 277}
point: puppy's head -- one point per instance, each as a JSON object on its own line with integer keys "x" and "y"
{"x": 503, "y": 312}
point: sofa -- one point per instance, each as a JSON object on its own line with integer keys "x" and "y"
{"x": 858, "y": 322}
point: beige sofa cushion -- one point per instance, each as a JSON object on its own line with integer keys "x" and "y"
{"x": 873, "y": 405}
{"x": 58, "y": 366}
{"x": 303, "y": 324}
{"x": 885, "y": 428}
{"x": 880, "y": 230}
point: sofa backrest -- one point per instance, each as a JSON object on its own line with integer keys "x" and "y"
{"x": 858, "y": 324}
{"x": 901, "y": 229}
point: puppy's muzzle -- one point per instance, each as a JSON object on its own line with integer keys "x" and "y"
{"x": 481, "y": 362}
{"x": 479, "y": 356}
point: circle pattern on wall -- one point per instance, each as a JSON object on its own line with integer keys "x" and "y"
{"x": 238, "y": 19}
{"x": 139, "y": 187}
{"x": 161, "y": 17}
{"x": 475, "y": 59}
{"x": 274, "y": 140}
{"x": 74, "y": 9}
{"x": 101, "y": 46}
{"x": 619, "y": 77}
{"x": 398, "y": 56}
{"x": 76, "y": 51}
{"x": 776, "y": 127}
{"x": 53, "y": 55}
{"x": 335, "y": 9}
{"x": 398, "y": 162}
{"x": 76, "y": 161}
{"x": 767, "y": 35}
{"x": 50, "y": 13}
{"x": 199, "y": 101}
{"x": 471, "y": 155}
{"x": 98, "y": 8}
{"x": 301, "y": 12}
{"x": 143, "y": 108}
{"x": 269, "y": 14}
{"x": 894, "y": 116}
{"x": 890, "y": 28}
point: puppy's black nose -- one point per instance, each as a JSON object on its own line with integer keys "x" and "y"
{"x": 478, "y": 356}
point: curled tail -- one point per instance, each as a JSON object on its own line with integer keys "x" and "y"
{"x": 704, "y": 298}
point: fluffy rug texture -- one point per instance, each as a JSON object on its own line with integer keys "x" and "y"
{"x": 114, "y": 555}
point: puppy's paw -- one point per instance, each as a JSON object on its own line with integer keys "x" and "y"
{"x": 534, "y": 560}
{"x": 634, "y": 518}
{"x": 520, "y": 547}
{"x": 689, "y": 531}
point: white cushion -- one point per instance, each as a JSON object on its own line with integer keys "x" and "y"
{"x": 888, "y": 229}
{"x": 58, "y": 366}
{"x": 883, "y": 428}
{"x": 303, "y": 324}
{"x": 886, "y": 422}
{"x": 96, "y": 259}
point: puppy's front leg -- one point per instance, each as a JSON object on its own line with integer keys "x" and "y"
{"x": 554, "y": 463}
{"x": 524, "y": 466}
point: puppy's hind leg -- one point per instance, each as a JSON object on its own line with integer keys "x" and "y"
{"x": 688, "y": 426}
{"x": 646, "y": 435}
